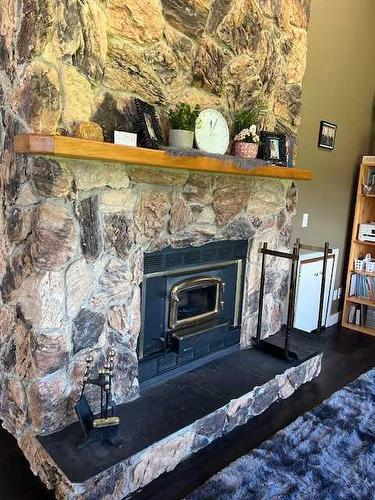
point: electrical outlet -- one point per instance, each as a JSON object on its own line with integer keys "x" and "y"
{"x": 339, "y": 293}
{"x": 305, "y": 220}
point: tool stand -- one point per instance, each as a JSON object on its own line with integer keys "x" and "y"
{"x": 279, "y": 344}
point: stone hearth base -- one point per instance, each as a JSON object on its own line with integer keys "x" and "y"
{"x": 141, "y": 468}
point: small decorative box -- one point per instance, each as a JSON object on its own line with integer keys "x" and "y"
{"x": 125, "y": 138}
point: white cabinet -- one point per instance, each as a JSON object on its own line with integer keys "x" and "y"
{"x": 308, "y": 290}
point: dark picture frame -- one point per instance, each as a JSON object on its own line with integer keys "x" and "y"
{"x": 273, "y": 148}
{"x": 148, "y": 127}
{"x": 327, "y": 135}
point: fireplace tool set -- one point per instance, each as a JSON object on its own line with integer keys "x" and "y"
{"x": 279, "y": 344}
{"x": 105, "y": 426}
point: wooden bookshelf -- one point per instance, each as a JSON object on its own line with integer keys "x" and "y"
{"x": 92, "y": 150}
{"x": 364, "y": 212}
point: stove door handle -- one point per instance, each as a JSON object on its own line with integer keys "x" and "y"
{"x": 222, "y": 289}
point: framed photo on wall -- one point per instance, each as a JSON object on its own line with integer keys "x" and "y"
{"x": 327, "y": 135}
{"x": 273, "y": 148}
{"x": 148, "y": 126}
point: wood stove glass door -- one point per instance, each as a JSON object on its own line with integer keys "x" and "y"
{"x": 195, "y": 301}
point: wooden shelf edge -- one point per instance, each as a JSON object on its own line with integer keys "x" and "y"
{"x": 358, "y": 328}
{"x": 361, "y": 300}
{"x": 92, "y": 150}
{"x": 368, "y": 243}
{"x": 363, "y": 273}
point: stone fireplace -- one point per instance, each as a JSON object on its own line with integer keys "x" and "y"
{"x": 85, "y": 236}
{"x": 77, "y": 236}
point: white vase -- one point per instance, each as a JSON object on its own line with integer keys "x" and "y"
{"x": 182, "y": 139}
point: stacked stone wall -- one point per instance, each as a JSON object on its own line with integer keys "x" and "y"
{"x": 68, "y": 61}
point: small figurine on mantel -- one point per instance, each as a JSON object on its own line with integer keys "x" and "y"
{"x": 90, "y": 131}
{"x": 105, "y": 426}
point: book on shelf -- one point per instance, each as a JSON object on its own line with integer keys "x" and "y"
{"x": 357, "y": 314}
{"x": 371, "y": 176}
{"x": 361, "y": 315}
{"x": 362, "y": 286}
{"x": 370, "y": 318}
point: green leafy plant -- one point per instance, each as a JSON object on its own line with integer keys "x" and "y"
{"x": 247, "y": 117}
{"x": 183, "y": 116}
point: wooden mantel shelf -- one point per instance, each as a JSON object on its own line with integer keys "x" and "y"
{"x": 91, "y": 150}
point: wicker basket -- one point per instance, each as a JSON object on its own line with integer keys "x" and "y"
{"x": 359, "y": 264}
{"x": 370, "y": 266}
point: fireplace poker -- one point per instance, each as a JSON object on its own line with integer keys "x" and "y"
{"x": 89, "y": 360}
{"x": 111, "y": 355}
{"x": 100, "y": 372}
{"x": 106, "y": 388}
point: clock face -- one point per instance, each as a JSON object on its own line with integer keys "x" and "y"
{"x": 211, "y": 132}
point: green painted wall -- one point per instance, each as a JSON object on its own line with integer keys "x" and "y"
{"x": 339, "y": 87}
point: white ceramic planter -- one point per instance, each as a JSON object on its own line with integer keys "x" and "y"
{"x": 182, "y": 139}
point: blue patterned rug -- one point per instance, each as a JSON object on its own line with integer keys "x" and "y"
{"x": 328, "y": 453}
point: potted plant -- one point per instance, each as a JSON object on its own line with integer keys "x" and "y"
{"x": 246, "y": 140}
{"x": 182, "y": 119}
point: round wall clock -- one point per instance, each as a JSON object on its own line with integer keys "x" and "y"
{"x": 212, "y": 132}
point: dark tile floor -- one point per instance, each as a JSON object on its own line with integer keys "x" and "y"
{"x": 347, "y": 355}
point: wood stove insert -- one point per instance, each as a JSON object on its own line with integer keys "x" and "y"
{"x": 191, "y": 307}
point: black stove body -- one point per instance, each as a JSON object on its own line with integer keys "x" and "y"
{"x": 191, "y": 306}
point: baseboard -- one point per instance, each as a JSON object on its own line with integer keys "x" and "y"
{"x": 333, "y": 319}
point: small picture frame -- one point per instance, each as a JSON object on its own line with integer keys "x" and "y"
{"x": 273, "y": 148}
{"x": 149, "y": 132}
{"x": 327, "y": 135}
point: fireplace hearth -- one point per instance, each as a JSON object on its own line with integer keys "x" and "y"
{"x": 191, "y": 307}
{"x": 188, "y": 412}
